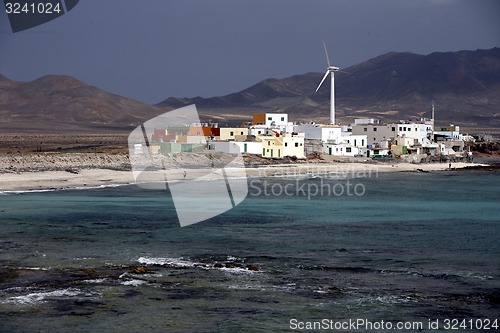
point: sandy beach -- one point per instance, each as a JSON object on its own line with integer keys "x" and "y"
{"x": 88, "y": 171}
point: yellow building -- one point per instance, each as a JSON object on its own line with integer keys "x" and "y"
{"x": 231, "y": 133}
{"x": 278, "y": 146}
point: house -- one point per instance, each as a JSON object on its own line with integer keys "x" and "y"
{"x": 270, "y": 119}
{"x": 164, "y": 135}
{"x": 278, "y": 145}
{"x": 346, "y": 145}
{"x": 278, "y": 121}
{"x": 343, "y": 149}
{"x": 231, "y": 133}
{"x": 377, "y": 132}
{"x": 324, "y": 133}
{"x": 376, "y": 152}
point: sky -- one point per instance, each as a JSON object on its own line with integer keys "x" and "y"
{"x": 150, "y": 50}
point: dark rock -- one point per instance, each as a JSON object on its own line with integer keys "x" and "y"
{"x": 138, "y": 269}
{"x": 253, "y": 268}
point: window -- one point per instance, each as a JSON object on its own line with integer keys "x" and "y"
{"x": 365, "y": 129}
{"x": 404, "y": 129}
{"x": 348, "y": 150}
{"x": 241, "y": 133}
{"x": 393, "y": 129}
{"x": 231, "y": 133}
{"x": 362, "y": 142}
{"x": 400, "y": 128}
{"x": 374, "y": 129}
{"x": 268, "y": 143}
{"x": 301, "y": 144}
{"x": 269, "y": 118}
{"x": 286, "y": 144}
{"x": 282, "y": 118}
{"x": 296, "y": 144}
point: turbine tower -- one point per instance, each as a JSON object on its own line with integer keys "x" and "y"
{"x": 330, "y": 70}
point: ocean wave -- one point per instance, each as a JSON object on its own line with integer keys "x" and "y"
{"x": 133, "y": 282}
{"x": 440, "y": 275}
{"x": 40, "y": 297}
{"x": 96, "y": 281}
{"x": 231, "y": 264}
{"x": 28, "y": 191}
{"x": 76, "y": 188}
{"x": 174, "y": 262}
{"x": 385, "y": 299}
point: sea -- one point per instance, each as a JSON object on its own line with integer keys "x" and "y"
{"x": 377, "y": 252}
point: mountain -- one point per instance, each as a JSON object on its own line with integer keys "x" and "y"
{"x": 465, "y": 86}
{"x": 57, "y": 103}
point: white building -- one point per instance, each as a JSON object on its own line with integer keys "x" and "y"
{"x": 250, "y": 147}
{"x": 452, "y": 132}
{"x": 343, "y": 149}
{"x": 277, "y": 121}
{"x": 269, "y": 144}
{"x": 378, "y": 133}
{"x": 324, "y": 133}
{"x": 270, "y": 119}
{"x": 257, "y": 129}
{"x": 348, "y": 145}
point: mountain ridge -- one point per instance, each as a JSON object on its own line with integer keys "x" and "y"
{"x": 63, "y": 103}
{"x": 465, "y": 86}
{"x": 395, "y": 85}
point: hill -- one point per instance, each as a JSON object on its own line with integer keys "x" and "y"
{"x": 465, "y": 86}
{"x": 58, "y": 103}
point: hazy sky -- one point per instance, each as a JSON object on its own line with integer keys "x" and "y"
{"x": 153, "y": 49}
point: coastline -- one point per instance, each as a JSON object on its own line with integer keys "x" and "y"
{"x": 12, "y": 182}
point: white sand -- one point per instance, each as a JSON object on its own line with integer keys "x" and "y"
{"x": 42, "y": 180}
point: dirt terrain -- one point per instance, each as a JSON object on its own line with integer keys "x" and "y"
{"x": 77, "y": 143}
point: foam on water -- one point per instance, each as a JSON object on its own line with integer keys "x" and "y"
{"x": 40, "y": 297}
{"x": 134, "y": 282}
{"x": 175, "y": 262}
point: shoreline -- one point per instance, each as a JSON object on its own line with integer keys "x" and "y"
{"x": 33, "y": 181}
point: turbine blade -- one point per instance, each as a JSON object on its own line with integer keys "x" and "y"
{"x": 326, "y": 53}
{"x": 324, "y": 77}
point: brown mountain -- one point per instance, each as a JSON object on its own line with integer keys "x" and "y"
{"x": 61, "y": 103}
{"x": 465, "y": 86}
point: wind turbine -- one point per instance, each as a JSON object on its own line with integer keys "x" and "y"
{"x": 330, "y": 70}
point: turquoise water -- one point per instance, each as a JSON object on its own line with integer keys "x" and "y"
{"x": 413, "y": 246}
